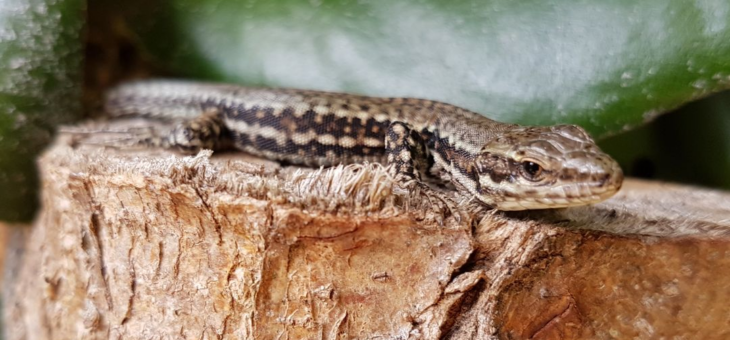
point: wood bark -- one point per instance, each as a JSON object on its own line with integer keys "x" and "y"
{"x": 147, "y": 244}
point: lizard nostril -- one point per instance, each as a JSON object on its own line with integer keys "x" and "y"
{"x": 604, "y": 178}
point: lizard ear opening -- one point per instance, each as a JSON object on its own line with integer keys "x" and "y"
{"x": 487, "y": 162}
{"x": 483, "y": 162}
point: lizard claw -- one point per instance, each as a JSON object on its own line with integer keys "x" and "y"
{"x": 437, "y": 201}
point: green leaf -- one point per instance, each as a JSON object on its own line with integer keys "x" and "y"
{"x": 607, "y": 65}
{"x": 40, "y": 62}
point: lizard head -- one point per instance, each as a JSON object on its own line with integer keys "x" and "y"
{"x": 545, "y": 167}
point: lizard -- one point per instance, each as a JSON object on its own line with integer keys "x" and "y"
{"x": 504, "y": 166}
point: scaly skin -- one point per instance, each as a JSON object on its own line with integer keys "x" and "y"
{"x": 506, "y": 166}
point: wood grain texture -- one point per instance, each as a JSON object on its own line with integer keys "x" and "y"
{"x": 150, "y": 244}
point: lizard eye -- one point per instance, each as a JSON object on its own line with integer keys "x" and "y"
{"x": 531, "y": 170}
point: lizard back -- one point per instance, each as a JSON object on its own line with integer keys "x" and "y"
{"x": 312, "y": 128}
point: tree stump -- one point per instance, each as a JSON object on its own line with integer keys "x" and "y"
{"x": 148, "y": 244}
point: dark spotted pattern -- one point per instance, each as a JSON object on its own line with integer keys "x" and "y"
{"x": 317, "y": 153}
{"x": 312, "y": 153}
{"x": 287, "y": 122}
{"x": 462, "y": 160}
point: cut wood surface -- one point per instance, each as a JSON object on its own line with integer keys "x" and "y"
{"x": 148, "y": 244}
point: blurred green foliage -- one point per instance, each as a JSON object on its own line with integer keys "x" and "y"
{"x": 40, "y": 87}
{"x": 608, "y": 66}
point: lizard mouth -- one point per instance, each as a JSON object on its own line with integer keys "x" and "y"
{"x": 608, "y": 184}
{"x": 569, "y": 194}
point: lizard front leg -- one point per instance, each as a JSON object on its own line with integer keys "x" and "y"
{"x": 408, "y": 158}
{"x": 406, "y": 152}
